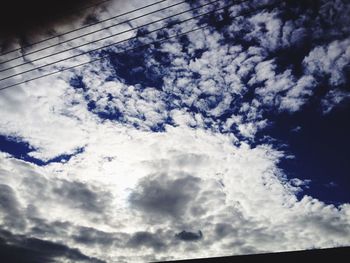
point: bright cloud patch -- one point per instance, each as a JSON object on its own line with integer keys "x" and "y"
{"x": 134, "y": 193}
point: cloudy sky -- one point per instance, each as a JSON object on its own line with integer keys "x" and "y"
{"x": 232, "y": 139}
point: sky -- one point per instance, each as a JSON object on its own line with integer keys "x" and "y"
{"x": 229, "y": 140}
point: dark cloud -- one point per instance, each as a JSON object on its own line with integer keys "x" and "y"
{"x": 22, "y": 249}
{"x": 43, "y": 228}
{"x": 189, "y": 236}
{"x": 73, "y": 193}
{"x": 24, "y": 20}
{"x": 223, "y": 229}
{"x": 10, "y": 208}
{"x": 91, "y": 236}
{"x": 160, "y": 195}
{"x": 81, "y": 196}
{"x": 146, "y": 239}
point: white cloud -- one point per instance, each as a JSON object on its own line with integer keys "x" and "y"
{"x": 330, "y": 59}
{"x": 244, "y": 200}
{"x": 298, "y": 95}
{"x": 267, "y": 24}
{"x": 333, "y": 98}
{"x": 39, "y": 110}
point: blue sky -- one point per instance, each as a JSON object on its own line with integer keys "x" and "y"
{"x": 225, "y": 141}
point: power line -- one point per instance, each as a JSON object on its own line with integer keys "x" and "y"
{"x": 118, "y": 42}
{"x": 80, "y": 28}
{"x": 83, "y": 35}
{"x": 113, "y": 35}
{"x": 134, "y": 48}
{"x": 57, "y": 15}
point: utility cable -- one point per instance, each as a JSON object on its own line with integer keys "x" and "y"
{"x": 134, "y": 48}
{"x": 113, "y": 35}
{"x": 80, "y": 28}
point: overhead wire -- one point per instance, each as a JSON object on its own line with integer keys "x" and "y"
{"x": 104, "y": 38}
{"x": 84, "y": 35}
{"x": 135, "y": 48}
{"x": 80, "y": 28}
